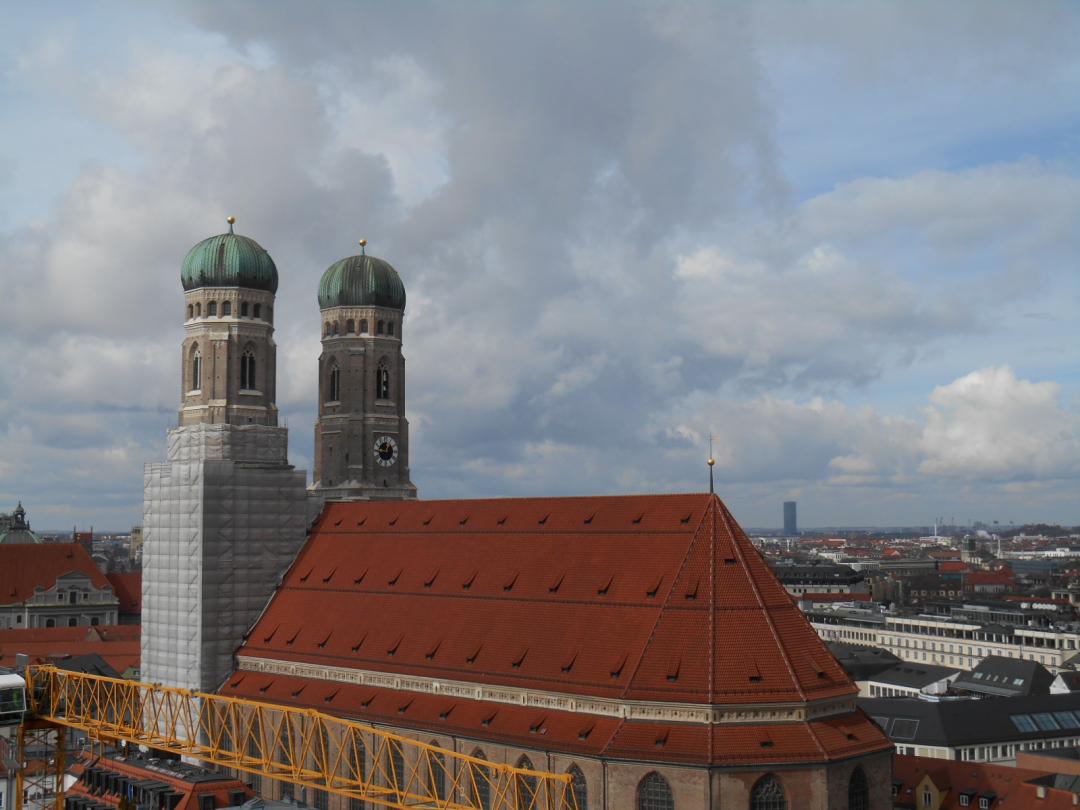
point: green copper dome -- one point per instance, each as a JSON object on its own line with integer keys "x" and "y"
{"x": 361, "y": 281}
{"x": 229, "y": 260}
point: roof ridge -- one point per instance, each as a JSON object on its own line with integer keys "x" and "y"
{"x": 663, "y": 606}
{"x": 765, "y": 611}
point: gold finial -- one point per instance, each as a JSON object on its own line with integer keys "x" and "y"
{"x": 363, "y": 244}
{"x": 232, "y": 221}
{"x": 712, "y": 463}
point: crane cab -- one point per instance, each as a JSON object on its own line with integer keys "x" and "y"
{"x": 12, "y": 698}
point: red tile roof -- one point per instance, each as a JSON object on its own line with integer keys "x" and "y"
{"x": 191, "y": 789}
{"x": 24, "y": 567}
{"x": 1007, "y": 784}
{"x": 641, "y": 598}
{"x": 128, "y": 589}
{"x": 118, "y": 644}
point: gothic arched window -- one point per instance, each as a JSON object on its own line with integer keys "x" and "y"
{"x": 226, "y": 309}
{"x": 397, "y": 766}
{"x": 334, "y": 388}
{"x": 580, "y": 788}
{"x": 334, "y": 328}
{"x": 525, "y": 786}
{"x": 654, "y": 793}
{"x": 350, "y": 326}
{"x": 211, "y": 309}
{"x": 858, "y": 792}
{"x": 190, "y": 311}
{"x": 382, "y": 382}
{"x": 768, "y": 794}
{"x": 247, "y": 370}
{"x": 480, "y": 779}
{"x": 196, "y": 368}
{"x": 363, "y": 326}
{"x": 437, "y": 773}
{"x": 198, "y": 310}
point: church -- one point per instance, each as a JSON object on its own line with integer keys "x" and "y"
{"x": 638, "y": 643}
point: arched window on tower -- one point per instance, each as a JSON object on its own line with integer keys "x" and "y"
{"x": 580, "y": 788}
{"x": 196, "y": 368}
{"x": 211, "y": 309}
{"x": 326, "y": 329}
{"x": 350, "y": 326}
{"x": 525, "y": 786}
{"x": 380, "y": 327}
{"x": 269, "y": 314}
{"x": 858, "y": 793}
{"x": 768, "y": 794}
{"x": 654, "y": 793}
{"x": 226, "y": 309}
{"x": 243, "y": 309}
{"x": 382, "y": 382}
{"x": 390, "y": 328}
{"x": 256, "y": 311}
{"x": 247, "y": 370}
{"x": 363, "y": 326}
{"x": 190, "y": 311}
{"x": 198, "y": 310}
{"x": 334, "y": 328}
{"x": 333, "y": 388}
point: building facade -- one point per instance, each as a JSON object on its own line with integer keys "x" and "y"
{"x": 361, "y": 435}
{"x": 225, "y": 514}
{"x": 791, "y": 523}
{"x": 639, "y": 643}
{"x": 53, "y": 585}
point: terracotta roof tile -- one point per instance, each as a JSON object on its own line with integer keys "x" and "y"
{"x": 24, "y": 567}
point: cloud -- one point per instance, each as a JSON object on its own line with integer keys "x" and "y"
{"x": 990, "y": 425}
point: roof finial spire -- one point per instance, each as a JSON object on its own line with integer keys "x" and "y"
{"x": 712, "y": 463}
{"x": 363, "y": 245}
{"x": 232, "y": 221}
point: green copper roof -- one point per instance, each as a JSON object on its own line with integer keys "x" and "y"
{"x": 229, "y": 260}
{"x": 360, "y": 281}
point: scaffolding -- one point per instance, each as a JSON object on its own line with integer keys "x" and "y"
{"x": 299, "y": 746}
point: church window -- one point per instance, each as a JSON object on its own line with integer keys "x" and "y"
{"x": 211, "y": 309}
{"x": 525, "y": 786}
{"x": 326, "y": 329}
{"x": 390, "y": 328}
{"x": 321, "y": 799}
{"x": 858, "y": 791}
{"x": 334, "y": 389}
{"x": 380, "y": 327}
{"x": 437, "y": 774}
{"x": 196, "y": 369}
{"x": 350, "y": 326}
{"x": 243, "y": 309}
{"x": 480, "y": 778}
{"x": 397, "y": 766}
{"x": 270, "y": 314}
{"x": 654, "y": 793}
{"x": 382, "y": 382}
{"x": 768, "y": 794}
{"x": 198, "y": 310}
{"x": 334, "y": 328}
{"x": 73, "y": 622}
{"x": 190, "y": 311}
{"x": 581, "y": 790}
{"x": 363, "y": 326}
{"x": 226, "y": 309}
{"x": 257, "y": 311}
{"x": 247, "y": 370}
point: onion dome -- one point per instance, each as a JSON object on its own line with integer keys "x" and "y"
{"x": 229, "y": 260}
{"x": 361, "y": 281}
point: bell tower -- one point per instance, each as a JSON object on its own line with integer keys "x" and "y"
{"x": 225, "y": 513}
{"x": 361, "y": 435}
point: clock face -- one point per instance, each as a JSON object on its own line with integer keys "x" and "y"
{"x": 386, "y": 450}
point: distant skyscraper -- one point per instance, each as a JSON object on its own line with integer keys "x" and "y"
{"x": 791, "y": 526}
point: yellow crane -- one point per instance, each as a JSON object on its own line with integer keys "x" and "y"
{"x": 301, "y": 746}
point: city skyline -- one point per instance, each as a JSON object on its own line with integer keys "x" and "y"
{"x": 841, "y": 240}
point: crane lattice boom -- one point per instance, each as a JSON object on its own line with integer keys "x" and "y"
{"x": 300, "y": 746}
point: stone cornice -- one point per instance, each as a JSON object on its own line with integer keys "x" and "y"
{"x": 708, "y": 714}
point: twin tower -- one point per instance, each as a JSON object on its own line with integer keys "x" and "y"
{"x": 226, "y": 513}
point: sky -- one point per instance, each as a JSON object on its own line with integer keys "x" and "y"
{"x": 841, "y": 238}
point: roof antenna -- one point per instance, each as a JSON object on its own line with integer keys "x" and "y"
{"x": 363, "y": 245}
{"x": 712, "y": 463}
{"x": 232, "y": 221}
